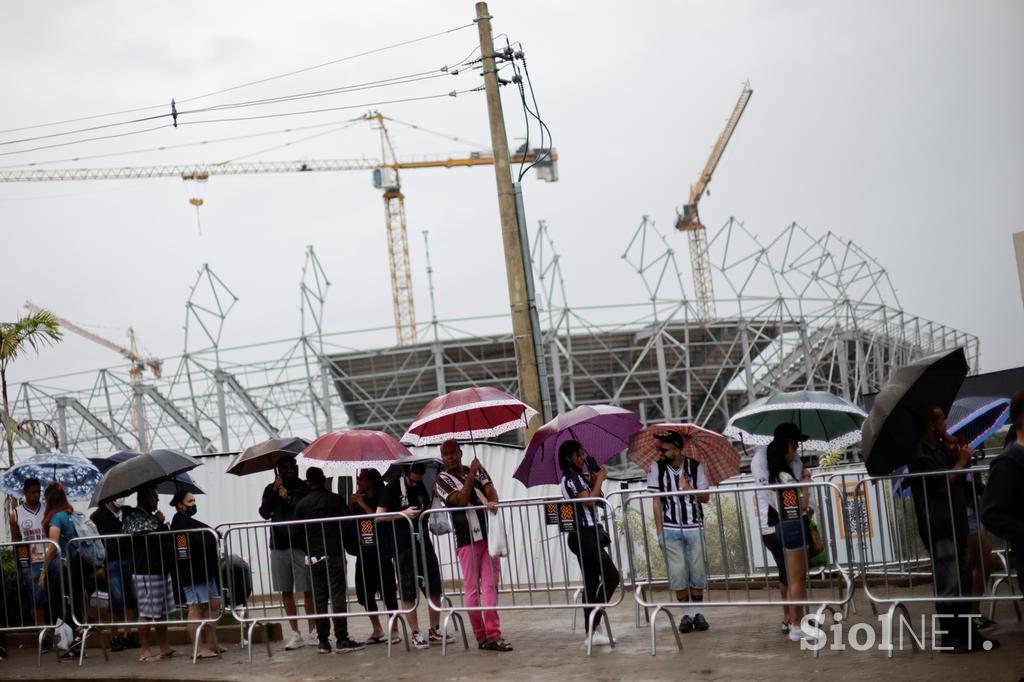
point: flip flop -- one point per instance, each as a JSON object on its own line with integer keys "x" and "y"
{"x": 152, "y": 658}
{"x": 170, "y": 654}
{"x": 209, "y": 655}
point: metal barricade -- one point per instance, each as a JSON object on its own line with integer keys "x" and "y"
{"x": 932, "y": 548}
{"x": 24, "y": 606}
{"x": 142, "y": 581}
{"x": 555, "y": 562}
{"x": 365, "y": 546}
{"x": 734, "y": 557}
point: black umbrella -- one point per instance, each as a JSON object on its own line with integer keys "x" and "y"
{"x": 890, "y": 431}
{"x": 181, "y": 482}
{"x": 431, "y": 460}
{"x": 265, "y": 456}
{"x": 128, "y": 476}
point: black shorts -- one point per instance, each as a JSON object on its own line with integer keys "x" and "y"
{"x": 773, "y": 543}
{"x": 425, "y": 576}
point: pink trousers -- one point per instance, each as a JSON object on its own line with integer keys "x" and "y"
{"x": 482, "y": 575}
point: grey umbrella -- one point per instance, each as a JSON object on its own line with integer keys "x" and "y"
{"x": 890, "y": 431}
{"x": 127, "y": 477}
{"x": 181, "y": 482}
{"x": 431, "y": 460}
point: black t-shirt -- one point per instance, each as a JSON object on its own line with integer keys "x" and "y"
{"x": 940, "y": 502}
{"x": 393, "y": 500}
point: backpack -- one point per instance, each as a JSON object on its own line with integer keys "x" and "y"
{"x": 93, "y": 552}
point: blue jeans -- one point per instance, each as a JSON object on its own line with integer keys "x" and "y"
{"x": 683, "y": 549}
{"x": 31, "y": 576}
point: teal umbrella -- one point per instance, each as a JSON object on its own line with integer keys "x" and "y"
{"x": 829, "y": 422}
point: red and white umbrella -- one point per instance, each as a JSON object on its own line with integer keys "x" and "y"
{"x": 713, "y": 450}
{"x": 353, "y": 449}
{"x": 469, "y": 414}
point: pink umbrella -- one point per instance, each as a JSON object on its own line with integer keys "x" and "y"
{"x": 353, "y": 449}
{"x": 469, "y": 414}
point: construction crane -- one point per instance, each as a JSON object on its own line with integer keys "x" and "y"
{"x": 689, "y": 220}
{"x": 139, "y": 365}
{"x": 385, "y": 177}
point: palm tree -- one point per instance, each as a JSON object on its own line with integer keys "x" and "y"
{"x": 33, "y": 331}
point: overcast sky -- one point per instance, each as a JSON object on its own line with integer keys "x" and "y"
{"x": 896, "y": 125}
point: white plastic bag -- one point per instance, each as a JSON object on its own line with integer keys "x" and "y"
{"x": 63, "y": 635}
{"x": 497, "y": 545}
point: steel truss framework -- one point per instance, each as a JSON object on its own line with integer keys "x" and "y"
{"x": 802, "y": 311}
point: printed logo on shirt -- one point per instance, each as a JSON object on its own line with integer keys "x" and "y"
{"x": 181, "y": 545}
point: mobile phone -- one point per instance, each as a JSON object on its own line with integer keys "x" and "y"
{"x": 592, "y": 464}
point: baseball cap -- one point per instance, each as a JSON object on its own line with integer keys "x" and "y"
{"x": 789, "y": 431}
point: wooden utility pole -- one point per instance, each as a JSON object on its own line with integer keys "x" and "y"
{"x": 515, "y": 265}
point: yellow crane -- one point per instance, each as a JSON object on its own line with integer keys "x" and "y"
{"x": 385, "y": 177}
{"x": 139, "y": 365}
{"x": 689, "y": 220}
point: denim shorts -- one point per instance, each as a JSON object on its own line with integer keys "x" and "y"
{"x": 31, "y": 576}
{"x": 119, "y": 587}
{"x": 201, "y": 593}
{"x": 794, "y": 534}
{"x": 683, "y": 549}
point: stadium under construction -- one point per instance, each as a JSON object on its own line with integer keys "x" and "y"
{"x": 801, "y": 310}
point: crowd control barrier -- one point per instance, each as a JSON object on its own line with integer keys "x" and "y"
{"x": 358, "y": 552}
{"x": 564, "y": 561}
{"x": 736, "y": 565}
{"x": 24, "y": 607}
{"x": 932, "y": 547}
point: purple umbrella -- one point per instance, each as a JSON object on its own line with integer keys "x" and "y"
{"x": 603, "y": 430}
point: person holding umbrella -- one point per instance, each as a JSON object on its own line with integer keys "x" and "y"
{"x": 679, "y": 521}
{"x": 288, "y": 572}
{"x": 788, "y": 436}
{"x": 1002, "y": 506}
{"x": 462, "y": 486}
{"x": 109, "y": 520}
{"x": 588, "y": 541}
{"x": 940, "y": 502}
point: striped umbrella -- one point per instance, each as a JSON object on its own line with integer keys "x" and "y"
{"x": 353, "y": 449}
{"x": 713, "y": 450}
{"x": 975, "y": 419}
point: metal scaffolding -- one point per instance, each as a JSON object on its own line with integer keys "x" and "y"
{"x": 798, "y": 311}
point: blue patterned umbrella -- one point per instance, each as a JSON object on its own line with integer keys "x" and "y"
{"x": 975, "y": 419}
{"x": 77, "y": 474}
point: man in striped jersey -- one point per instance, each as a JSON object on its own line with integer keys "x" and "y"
{"x": 679, "y": 520}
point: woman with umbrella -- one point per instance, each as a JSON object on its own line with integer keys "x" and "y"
{"x": 581, "y": 478}
{"x": 793, "y": 507}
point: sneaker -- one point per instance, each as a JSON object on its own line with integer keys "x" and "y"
{"x": 686, "y": 624}
{"x": 419, "y": 640}
{"x": 785, "y": 627}
{"x": 984, "y": 623}
{"x": 796, "y": 633}
{"x": 294, "y": 642}
{"x": 311, "y": 638}
{"x": 437, "y": 636}
{"x": 323, "y": 647}
{"x": 346, "y": 645}
{"x": 601, "y": 639}
{"x": 700, "y": 623}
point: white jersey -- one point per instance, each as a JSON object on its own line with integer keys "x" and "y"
{"x": 30, "y": 525}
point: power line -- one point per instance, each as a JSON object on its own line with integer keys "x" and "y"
{"x": 242, "y": 85}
